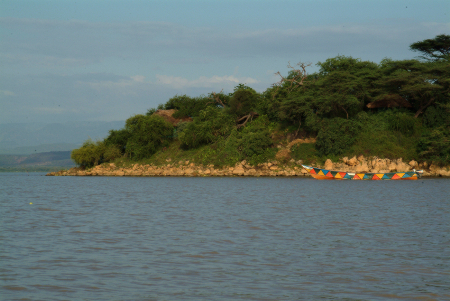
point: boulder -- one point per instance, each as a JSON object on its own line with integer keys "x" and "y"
{"x": 328, "y": 164}
{"x": 251, "y": 172}
{"x": 189, "y": 172}
{"x": 363, "y": 167}
{"x": 352, "y": 162}
{"x": 444, "y": 173}
{"x": 413, "y": 164}
{"x": 239, "y": 171}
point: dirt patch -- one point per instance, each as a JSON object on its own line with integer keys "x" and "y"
{"x": 167, "y": 115}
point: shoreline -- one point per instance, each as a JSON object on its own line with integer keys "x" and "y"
{"x": 268, "y": 169}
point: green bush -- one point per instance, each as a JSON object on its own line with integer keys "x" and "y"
{"x": 336, "y": 136}
{"x": 111, "y": 153}
{"x": 435, "y": 145}
{"x": 89, "y": 154}
{"x": 187, "y": 106}
{"x": 211, "y": 124}
{"x": 252, "y": 143}
{"x": 147, "y": 135}
{"x": 118, "y": 138}
{"x": 435, "y": 117}
{"x": 255, "y": 141}
{"x": 243, "y": 101}
{"x": 373, "y": 141}
{"x": 403, "y": 122}
{"x": 181, "y": 126}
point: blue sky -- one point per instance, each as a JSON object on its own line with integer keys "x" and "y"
{"x": 107, "y": 60}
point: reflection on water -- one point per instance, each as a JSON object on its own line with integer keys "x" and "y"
{"x": 223, "y": 238}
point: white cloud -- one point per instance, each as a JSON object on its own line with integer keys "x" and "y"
{"x": 136, "y": 83}
{"x": 215, "y": 81}
{"x": 124, "y": 86}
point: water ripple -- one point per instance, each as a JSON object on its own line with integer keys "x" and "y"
{"x": 223, "y": 239}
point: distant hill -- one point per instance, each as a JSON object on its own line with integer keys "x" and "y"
{"x": 28, "y": 150}
{"x": 20, "y": 138}
{"x": 42, "y": 161}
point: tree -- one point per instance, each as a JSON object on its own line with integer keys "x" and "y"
{"x": 433, "y": 49}
{"x": 293, "y": 81}
{"x": 416, "y": 82}
{"x": 243, "y": 103}
{"x": 186, "y": 106}
{"x": 89, "y": 154}
{"x": 118, "y": 138}
{"x": 340, "y": 89}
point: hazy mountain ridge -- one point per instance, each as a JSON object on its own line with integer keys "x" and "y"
{"x": 43, "y": 148}
{"x": 16, "y": 138}
{"x": 47, "y": 159}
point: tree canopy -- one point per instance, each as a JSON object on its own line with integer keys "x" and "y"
{"x": 433, "y": 49}
{"x": 345, "y": 105}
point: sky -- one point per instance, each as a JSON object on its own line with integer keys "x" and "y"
{"x": 98, "y": 60}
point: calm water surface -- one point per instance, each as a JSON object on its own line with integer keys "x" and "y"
{"x": 105, "y": 238}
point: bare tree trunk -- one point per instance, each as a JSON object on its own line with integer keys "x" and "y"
{"x": 216, "y": 99}
{"x": 246, "y": 118}
{"x": 423, "y": 108}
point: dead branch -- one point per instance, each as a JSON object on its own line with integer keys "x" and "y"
{"x": 299, "y": 76}
{"x": 216, "y": 99}
{"x": 344, "y": 110}
{"x": 246, "y": 118}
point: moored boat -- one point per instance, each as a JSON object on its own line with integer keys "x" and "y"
{"x": 324, "y": 174}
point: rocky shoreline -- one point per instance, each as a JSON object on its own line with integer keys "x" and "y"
{"x": 270, "y": 169}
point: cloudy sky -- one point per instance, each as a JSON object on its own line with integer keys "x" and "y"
{"x": 105, "y": 60}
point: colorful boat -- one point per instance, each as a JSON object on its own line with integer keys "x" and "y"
{"x": 324, "y": 174}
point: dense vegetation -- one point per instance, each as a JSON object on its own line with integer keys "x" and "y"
{"x": 392, "y": 109}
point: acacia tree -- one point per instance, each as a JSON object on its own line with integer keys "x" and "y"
{"x": 340, "y": 89}
{"x": 433, "y": 49}
{"x": 419, "y": 83}
{"x": 241, "y": 103}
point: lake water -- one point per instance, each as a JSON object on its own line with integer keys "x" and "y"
{"x": 123, "y": 238}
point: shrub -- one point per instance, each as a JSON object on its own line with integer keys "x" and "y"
{"x": 118, "y": 138}
{"x": 435, "y": 145}
{"x": 435, "y": 117}
{"x": 255, "y": 141}
{"x": 186, "y": 106}
{"x": 336, "y": 136}
{"x": 211, "y": 124}
{"x": 111, "y": 153}
{"x": 252, "y": 143}
{"x": 383, "y": 144}
{"x": 403, "y": 122}
{"x": 147, "y": 135}
{"x": 89, "y": 154}
{"x": 243, "y": 101}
